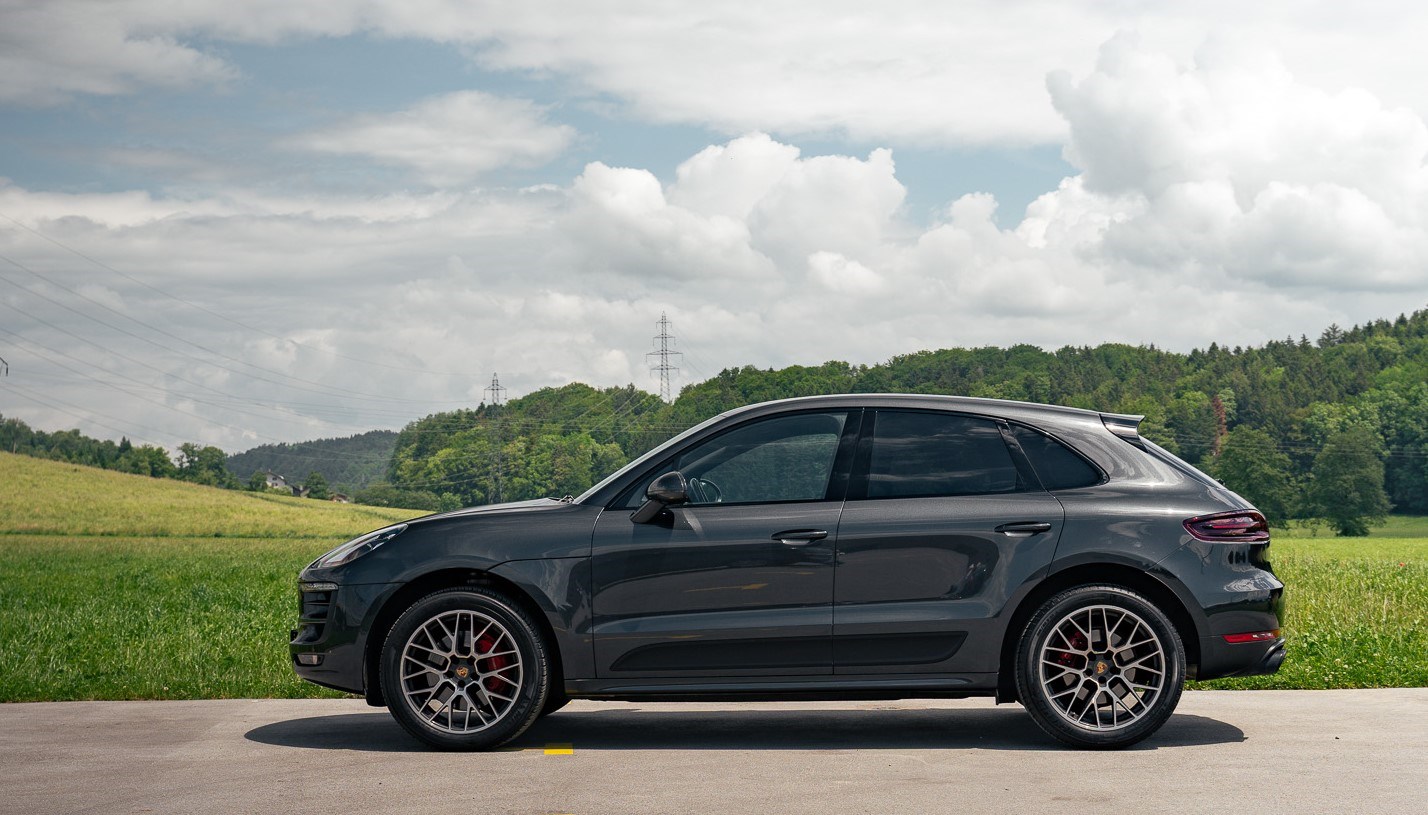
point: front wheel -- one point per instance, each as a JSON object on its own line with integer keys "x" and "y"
{"x": 1100, "y": 667}
{"x": 465, "y": 669}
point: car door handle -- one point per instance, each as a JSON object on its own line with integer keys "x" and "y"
{"x": 800, "y": 537}
{"x": 1024, "y": 529}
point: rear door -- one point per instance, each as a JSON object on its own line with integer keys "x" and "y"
{"x": 944, "y": 521}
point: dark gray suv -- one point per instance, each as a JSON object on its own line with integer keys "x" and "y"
{"x": 840, "y": 547}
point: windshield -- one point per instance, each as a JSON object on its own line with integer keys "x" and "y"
{"x": 644, "y": 459}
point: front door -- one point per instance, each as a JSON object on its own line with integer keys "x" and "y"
{"x": 740, "y": 579}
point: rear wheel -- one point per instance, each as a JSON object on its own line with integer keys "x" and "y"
{"x": 465, "y": 669}
{"x": 1100, "y": 667}
{"x": 553, "y": 702}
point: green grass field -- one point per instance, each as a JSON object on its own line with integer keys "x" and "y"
{"x": 131, "y": 618}
{"x": 122, "y": 587}
{"x": 1356, "y": 614}
{"x": 39, "y": 497}
{"x": 1397, "y": 526}
{"x": 116, "y": 586}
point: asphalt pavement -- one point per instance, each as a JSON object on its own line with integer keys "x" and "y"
{"x": 1224, "y": 751}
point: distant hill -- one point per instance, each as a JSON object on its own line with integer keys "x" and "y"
{"x": 348, "y": 463}
{"x": 55, "y": 498}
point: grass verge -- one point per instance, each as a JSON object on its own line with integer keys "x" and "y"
{"x": 1356, "y": 614}
{"x": 198, "y": 618}
{"x": 125, "y": 618}
{"x": 115, "y": 586}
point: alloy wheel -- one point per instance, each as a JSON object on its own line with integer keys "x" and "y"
{"x": 461, "y": 671}
{"x": 1102, "y": 667}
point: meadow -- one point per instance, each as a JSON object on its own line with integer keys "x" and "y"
{"x": 39, "y": 497}
{"x": 116, "y": 586}
{"x": 123, "y": 587}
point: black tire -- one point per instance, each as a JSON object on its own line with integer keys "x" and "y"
{"x": 428, "y": 701}
{"x": 1089, "y": 688}
{"x": 554, "y": 701}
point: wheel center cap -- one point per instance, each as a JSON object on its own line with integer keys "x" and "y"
{"x": 1101, "y": 667}
{"x": 463, "y": 672}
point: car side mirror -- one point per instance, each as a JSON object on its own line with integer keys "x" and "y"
{"x": 670, "y": 489}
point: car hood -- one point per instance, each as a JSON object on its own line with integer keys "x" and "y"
{"x": 534, "y": 505}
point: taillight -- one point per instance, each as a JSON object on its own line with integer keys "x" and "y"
{"x": 1229, "y": 527}
{"x": 1252, "y": 636}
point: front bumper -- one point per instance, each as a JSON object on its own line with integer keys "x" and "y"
{"x": 328, "y": 644}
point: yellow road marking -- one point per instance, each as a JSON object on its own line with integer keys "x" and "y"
{"x": 560, "y": 749}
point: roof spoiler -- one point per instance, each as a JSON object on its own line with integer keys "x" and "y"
{"x": 1125, "y": 425}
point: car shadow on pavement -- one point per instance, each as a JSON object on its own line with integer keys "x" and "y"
{"x": 1007, "y": 728}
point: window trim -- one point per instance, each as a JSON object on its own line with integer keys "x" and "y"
{"x": 863, "y": 458}
{"x": 838, "y": 477}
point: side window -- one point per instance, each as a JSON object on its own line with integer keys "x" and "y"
{"x": 932, "y": 454}
{"x": 1056, "y": 465}
{"x": 786, "y": 458}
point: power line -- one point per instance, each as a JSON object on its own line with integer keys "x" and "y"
{"x": 207, "y": 401}
{"x": 132, "y": 394}
{"x": 84, "y": 414}
{"x": 330, "y": 390}
{"x": 664, "y": 367}
{"x": 223, "y": 317}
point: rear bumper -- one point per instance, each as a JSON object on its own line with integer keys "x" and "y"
{"x": 1219, "y": 659}
{"x": 1231, "y": 592}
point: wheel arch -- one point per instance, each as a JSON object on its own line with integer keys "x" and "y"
{"x": 1116, "y": 574}
{"x": 421, "y": 586}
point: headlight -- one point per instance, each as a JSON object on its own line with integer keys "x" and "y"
{"x": 357, "y": 547}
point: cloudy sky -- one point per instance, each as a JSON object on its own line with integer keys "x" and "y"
{"x": 277, "y": 220}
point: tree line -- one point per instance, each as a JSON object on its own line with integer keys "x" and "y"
{"x": 195, "y": 463}
{"x": 1333, "y": 429}
{"x": 347, "y": 463}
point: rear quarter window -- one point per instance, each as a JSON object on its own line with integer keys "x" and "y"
{"x": 1058, "y": 466}
{"x": 1167, "y": 457}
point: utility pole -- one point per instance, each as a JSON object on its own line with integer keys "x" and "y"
{"x": 4, "y": 367}
{"x": 496, "y": 392}
{"x": 663, "y": 366}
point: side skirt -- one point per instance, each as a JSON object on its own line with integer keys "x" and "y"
{"x": 773, "y": 689}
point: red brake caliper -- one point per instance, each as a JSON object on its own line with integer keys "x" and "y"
{"x": 1078, "y": 640}
{"x": 485, "y": 645}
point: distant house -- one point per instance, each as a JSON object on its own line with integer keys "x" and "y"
{"x": 339, "y": 498}
{"x": 277, "y": 482}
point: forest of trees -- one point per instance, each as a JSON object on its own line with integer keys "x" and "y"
{"x": 1334, "y": 429}
{"x": 346, "y": 464}
{"x": 196, "y": 463}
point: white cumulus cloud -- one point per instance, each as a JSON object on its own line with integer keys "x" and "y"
{"x": 450, "y": 138}
{"x": 917, "y": 72}
{"x": 1229, "y": 167}
{"x": 1216, "y": 197}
